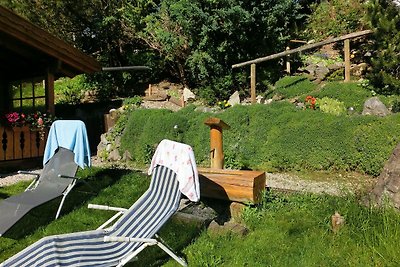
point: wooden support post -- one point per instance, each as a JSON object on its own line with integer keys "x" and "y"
{"x": 288, "y": 62}
{"x": 216, "y": 143}
{"x": 347, "y": 60}
{"x": 253, "y": 83}
{"x": 49, "y": 92}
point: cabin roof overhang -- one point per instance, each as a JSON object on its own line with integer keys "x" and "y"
{"x": 27, "y": 51}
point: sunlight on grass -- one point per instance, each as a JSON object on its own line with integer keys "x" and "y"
{"x": 285, "y": 229}
{"x": 120, "y": 188}
{"x": 295, "y": 230}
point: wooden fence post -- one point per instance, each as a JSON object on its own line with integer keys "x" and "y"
{"x": 253, "y": 83}
{"x": 288, "y": 62}
{"x": 347, "y": 60}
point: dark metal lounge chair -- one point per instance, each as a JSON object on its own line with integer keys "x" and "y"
{"x": 67, "y": 148}
{"x": 47, "y": 186}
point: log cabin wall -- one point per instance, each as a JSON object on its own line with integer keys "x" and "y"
{"x": 26, "y": 52}
{"x": 21, "y": 143}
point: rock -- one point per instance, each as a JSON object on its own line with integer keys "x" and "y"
{"x": 234, "y": 99}
{"x": 187, "y": 94}
{"x": 164, "y": 85}
{"x": 236, "y": 209}
{"x": 108, "y": 147}
{"x": 337, "y": 222}
{"x": 268, "y": 101}
{"x": 321, "y": 72}
{"x": 260, "y": 99}
{"x": 359, "y": 70}
{"x": 228, "y": 227}
{"x": 388, "y": 186}
{"x": 277, "y": 97}
{"x": 126, "y": 156}
{"x": 335, "y": 66}
{"x": 373, "y": 106}
{"x": 117, "y": 141}
{"x": 204, "y": 109}
{"x": 114, "y": 155}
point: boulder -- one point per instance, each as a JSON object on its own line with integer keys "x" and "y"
{"x": 234, "y": 99}
{"x": 373, "y": 106}
{"x": 388, "y": 185}
{"x": 114, "y": 155}
{"x": 359, "y": 69}
{"x": 187, "y": 94}
{"x": 126, "y": 156}
{"x": 260, "y": 99}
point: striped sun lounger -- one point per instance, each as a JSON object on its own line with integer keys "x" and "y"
{"x": 118, "y": 244}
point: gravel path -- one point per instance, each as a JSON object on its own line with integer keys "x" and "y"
{"x": 12, "y": 178}
{"x": 280, "y": 181}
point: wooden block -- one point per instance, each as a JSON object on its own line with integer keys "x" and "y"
{"x": 217, "y": 122}
{"x": 234, "y": 185}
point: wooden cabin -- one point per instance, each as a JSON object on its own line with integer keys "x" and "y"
{"x": 31, "y": 59}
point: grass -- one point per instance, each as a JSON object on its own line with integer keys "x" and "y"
{"x": 294, "y": 230}
{"x": 110, "y": 187}
{"x": 285, "y": 229}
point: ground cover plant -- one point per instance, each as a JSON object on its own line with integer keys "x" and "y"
{"x": 112, "y": 187}
{"x": 279, "y": 136}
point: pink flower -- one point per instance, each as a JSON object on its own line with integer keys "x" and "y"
{"x": 40, "y": 121}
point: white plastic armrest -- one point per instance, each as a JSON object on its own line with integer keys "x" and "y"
{"x": 129, "y": 239}
{"x": 29, "y": 173}
{"x": 103, "y": 207}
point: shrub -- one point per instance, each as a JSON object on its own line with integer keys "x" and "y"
{"x": 70, "y": 91}
{"x": 332, "y": 106}
{"x": 351, "y": 94}
{"x": 335, "y": 18}
{"x": 146, "y": 128}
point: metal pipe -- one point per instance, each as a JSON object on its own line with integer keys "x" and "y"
{"x": 125, "y": 68}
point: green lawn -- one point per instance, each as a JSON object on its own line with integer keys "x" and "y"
{"x": 285, "y": 230}
{"x": 295, "y": 230}
{"x": 111, "y": 187}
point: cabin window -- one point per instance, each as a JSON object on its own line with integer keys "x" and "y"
{"x": 28, "y": 96}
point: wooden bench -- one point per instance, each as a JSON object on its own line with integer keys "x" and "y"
{"x": 233, "y": 185}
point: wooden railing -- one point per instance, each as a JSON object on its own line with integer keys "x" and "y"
{"x": 21, "y": 143}
{"x": 346, "y": 38}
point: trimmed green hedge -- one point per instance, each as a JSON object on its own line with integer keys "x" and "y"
{"x": 275, "y": 137}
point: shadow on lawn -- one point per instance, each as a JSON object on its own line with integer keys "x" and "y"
{"x": 177, "y": 234}
{"x": 80, "y": 194}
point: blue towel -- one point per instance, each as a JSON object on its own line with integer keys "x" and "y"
{"x": 70, "y": 134}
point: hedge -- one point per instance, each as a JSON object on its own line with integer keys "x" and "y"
{"x": 275, "y": 137}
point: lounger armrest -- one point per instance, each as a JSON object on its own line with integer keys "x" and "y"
{"x": 29, "y": 173}
{"x": 103, "y": 207}
{"x": 66, "y": 176}
{"x": 129, "y": 239}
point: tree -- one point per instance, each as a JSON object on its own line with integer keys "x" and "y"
{"x": 200, "y": 40}
{"x": 384, "y": 17}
